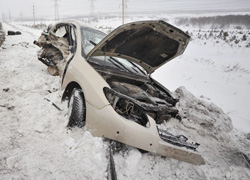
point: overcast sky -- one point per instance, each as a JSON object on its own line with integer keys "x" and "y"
{"x": 45, "y": 8}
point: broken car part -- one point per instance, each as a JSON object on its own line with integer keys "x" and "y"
{"x": 53, "y": 104}
{"x": 246, "y": 159}
{"x": 10, "y": 33}
{"x": 111, "y": 165}
{"x": 57, "y": 44}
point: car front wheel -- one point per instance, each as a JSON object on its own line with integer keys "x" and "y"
{"x": 77, "y": 109}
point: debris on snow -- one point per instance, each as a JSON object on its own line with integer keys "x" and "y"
{"x": 246, "y": 159}
{"x": 111, "y": 172}
{"x": 11, "y": 33}
{"x": 53, "y": 104}
{"x": 23, "y": 44}
{"x": 8, "y": 107}
{"x": 6, "y": 89}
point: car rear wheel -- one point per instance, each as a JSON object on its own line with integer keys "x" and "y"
{"x": 76, "y": 109}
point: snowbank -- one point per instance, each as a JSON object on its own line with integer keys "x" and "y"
{"x": 202, "y": 122}
{"x": 209, "y": 119}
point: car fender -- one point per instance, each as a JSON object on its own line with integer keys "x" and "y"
{"x": 81, "y": 74}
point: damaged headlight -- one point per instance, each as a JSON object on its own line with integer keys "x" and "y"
{"x": 126, "y": 106}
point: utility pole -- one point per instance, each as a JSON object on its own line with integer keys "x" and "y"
{"x": 122, "y": 11}
{"x": 3, "y": 18}
{"x": 56, "y": 10}
{"x": 34, "y": 17}
{"x": 21, "y": 17}
{"x": 92, "y": 6}
{"x": 9, "y": 16}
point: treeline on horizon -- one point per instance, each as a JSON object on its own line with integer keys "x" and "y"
{"x": 216, "y": 21}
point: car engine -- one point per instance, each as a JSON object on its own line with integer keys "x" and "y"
{"x": 134, "y": 101}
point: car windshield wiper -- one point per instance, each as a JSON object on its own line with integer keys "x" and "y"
{"x": 110, "y": 60}
{"x": 120, "y": 64}
{"x": 134, "y": 65}
{"x": 93, "y": 43}
{"x": 113, "y": 60}
{"x": 101, "y": 65}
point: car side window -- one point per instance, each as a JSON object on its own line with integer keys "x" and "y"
{"x": 66, "y": 34}
{"x": 61, "y": 34}
{"x": 71, "y": 37}
{"x": 90, "y": 38}
{"x": 61, "y": 31}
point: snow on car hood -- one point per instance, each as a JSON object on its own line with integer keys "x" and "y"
{"x": 147, "y": 43}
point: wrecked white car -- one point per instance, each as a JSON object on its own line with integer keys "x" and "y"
{"x": 106, "y": 79}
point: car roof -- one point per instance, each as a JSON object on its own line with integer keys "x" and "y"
{"x": 78, "y": 23}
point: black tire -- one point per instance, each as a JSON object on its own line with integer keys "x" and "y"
{"x": 77, "y": 109}
{"x": 142, "y": 151}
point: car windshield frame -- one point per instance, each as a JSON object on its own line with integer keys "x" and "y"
{"x": 90, "y": 37}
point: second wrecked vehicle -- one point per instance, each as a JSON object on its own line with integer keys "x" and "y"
{"x": 106, "y": 79}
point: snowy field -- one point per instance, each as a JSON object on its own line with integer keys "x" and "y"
{"x": 34, "y": 143}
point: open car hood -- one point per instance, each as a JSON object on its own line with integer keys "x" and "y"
{"x": 147, "y": 43}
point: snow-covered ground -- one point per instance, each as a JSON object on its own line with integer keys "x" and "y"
{"x": 34, "y": 143}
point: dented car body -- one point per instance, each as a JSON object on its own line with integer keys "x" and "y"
{"x": 106, "y": 79}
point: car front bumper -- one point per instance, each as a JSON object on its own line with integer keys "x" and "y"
{"x": 106, "y": 122}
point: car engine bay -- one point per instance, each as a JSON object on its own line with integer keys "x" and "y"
{"x": 134, "y": 98}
